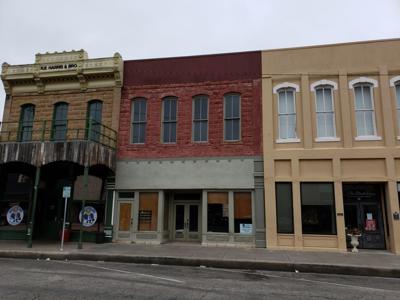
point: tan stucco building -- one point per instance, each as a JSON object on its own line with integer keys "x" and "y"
{"x": 331, "y": 138}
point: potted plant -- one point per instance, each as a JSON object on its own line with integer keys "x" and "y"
{"x": 354, "y": 234}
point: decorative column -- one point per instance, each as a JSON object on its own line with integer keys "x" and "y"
{"x": 85, "y": 186}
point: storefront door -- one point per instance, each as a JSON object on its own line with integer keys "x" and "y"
{"x": 362, "y": 210}
{"x": 125, "y": 220}
{"x": 187, "y": 221}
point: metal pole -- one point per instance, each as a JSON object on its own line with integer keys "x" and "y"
{"x": 63, "y": 229}
{"x": 35, "y": 193}
{"x": 85, "y": 185}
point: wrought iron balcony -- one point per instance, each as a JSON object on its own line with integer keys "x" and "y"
{"x": 58, "y": 131}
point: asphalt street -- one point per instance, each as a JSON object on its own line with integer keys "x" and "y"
{"x": 48, "y": 279}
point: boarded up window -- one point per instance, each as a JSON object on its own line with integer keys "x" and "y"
{"x": 148, "y": 211}
{"x": 218, "y": 212}
{"x": 243, "y": 213}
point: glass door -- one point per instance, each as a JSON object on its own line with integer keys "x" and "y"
{"x": 187, "y": 221}
{"x": 373, "y": 236}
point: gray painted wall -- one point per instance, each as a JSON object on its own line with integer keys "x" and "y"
{"x": 213, "y": 173}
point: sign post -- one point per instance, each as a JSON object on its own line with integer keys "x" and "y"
{"x": 66, "y": 195}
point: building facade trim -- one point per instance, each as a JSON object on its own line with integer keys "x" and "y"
{"x": 323, "y": 82}
{"x": 353, "y": 82}
{"x": 285, "y": 85}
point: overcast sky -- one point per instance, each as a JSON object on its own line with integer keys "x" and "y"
{"x": 165, "y": 28}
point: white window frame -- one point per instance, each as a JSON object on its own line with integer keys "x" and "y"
{"x": 325, "y": 84}
{"x": 294, "y": 88}
{"x": 372, "y": 84}
{"x": 395, "y": 82}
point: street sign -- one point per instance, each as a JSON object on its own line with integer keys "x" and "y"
{"x": 66, "y": 192}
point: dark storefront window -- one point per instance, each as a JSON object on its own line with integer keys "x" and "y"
{"x": 284, "y": 207}
{"x": 243, "y": 213}
{"x": 318, "y": 208}
{"x": 148, "y": 211}
{"x": 14, "y": 203}
{"x": 217, "y": 212}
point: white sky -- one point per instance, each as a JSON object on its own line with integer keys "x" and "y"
{"x": 165, "y": 28}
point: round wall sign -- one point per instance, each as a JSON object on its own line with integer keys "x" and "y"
{"x": 89, "y": 216}
{"x": 15, "y": 215}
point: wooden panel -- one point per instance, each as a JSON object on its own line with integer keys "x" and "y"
{"x": 217, "y": 198}
{"x": 321, "y": 168}
{"x": 283, "y": 168}
{"x": 148, "y": 211}
{"x": 242, "y": 204}
{"x": 125, "y": 215}
{"x": 320, "y": 241}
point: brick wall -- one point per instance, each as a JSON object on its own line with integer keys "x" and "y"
{"x": 249, "y": 145}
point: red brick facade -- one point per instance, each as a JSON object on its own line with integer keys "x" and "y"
{"x": 237, "y": 73}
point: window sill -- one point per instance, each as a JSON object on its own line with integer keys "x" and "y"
{"x": 327, "y": 139}
{"x": 368, "y": 138}
{"x": 286, "y": 141}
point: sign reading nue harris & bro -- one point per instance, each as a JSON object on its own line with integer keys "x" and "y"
{"x": 58, "y": 67}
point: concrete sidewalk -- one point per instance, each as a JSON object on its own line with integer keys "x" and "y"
{"x": 366, "y": 263}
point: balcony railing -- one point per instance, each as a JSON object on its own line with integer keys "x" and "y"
{"x": 58, "y": 131}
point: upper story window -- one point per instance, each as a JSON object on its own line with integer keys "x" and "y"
{"x": 200, "y": 118}
{"x": 232, "y": 117}
{"x": 94, "y": 114}
{"x": 139, "y": 118}
{"x": 395, "y": 82}
{"x": 325, "y": 112}
{"x": 26, "y": 122}
{"x": 398, "y": 103}
{"x": 60, "y": 123}
{"x": 364, "y": 107}
{"x": 169, "y": 120}
{"x": 287, "y": 113}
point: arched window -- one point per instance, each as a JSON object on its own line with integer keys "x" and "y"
{"x": 60, "y": 117}
{"x": 200, "y": 118}
{"x": 232, "y": 117}
{"x": 364, "y": 109}
{"x": 169, "y": 120}
{"x": 325, "y": 111}
{"x": 139, "y": 119}
{"x": 94, "y": 114}
{"x": 287, "y": 113}
{"x": 26, "y": 122}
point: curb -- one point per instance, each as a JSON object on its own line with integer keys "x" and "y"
{"x": 224, "y": 263}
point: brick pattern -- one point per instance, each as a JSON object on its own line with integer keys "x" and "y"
{"x": 249, "y": 145}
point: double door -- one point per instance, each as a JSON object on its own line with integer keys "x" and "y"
{"x": 187, "y": 221}
{"x": 367, "y": 218}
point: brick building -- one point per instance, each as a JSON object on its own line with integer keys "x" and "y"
{"x": 188, "y": 161}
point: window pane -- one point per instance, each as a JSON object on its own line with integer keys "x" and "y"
{"x": 291, "y": 126}
{"x": 359, "y": 100}
{"x": 196, "y": 131}
{"x": 204, "y": 131}
{"x": 228, "y": 130}
{"x": 217, "y": 212}
{"x": 142, "y": 132}
{"x": 197, "y": 109}
{"x": 290, "y": 101}
{"x": 330, "y": 126}
{"x": 328, "y": 99}
{"x": 398, "y": 95}
{"x": 320, "y": 100}
{"x": 167, "y": 110}
{"x": 235, "y": 129}
{"x": 166, "y": 132}
{"x": 369, "y": 123}
{"x": 204, "y": 108}
{"x": 283, "y": 128}
{"x": 360, "y": 123}
{"x": 318, "y": 208}
{"x": 235, "y": 106}
{"x": 148, "y": 211}
{"x": 282, "y": 109}
{"x": 228, "y": 107}
{"x": 284, "y": 208}
{"x": 321, "y": 130}
{"x": 367, "y": 97}
{"x": 243, "y": 221}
